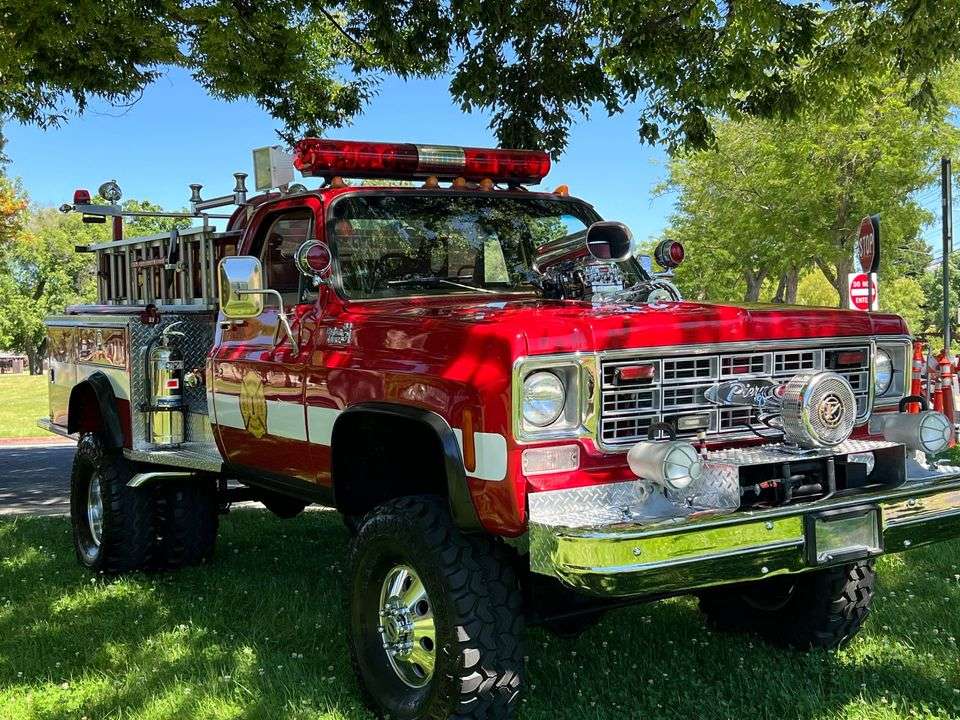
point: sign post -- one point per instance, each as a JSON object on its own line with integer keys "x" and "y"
{"x": 862, "y": 285}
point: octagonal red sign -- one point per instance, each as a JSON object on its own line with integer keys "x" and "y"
{"x": 866, "y": 252}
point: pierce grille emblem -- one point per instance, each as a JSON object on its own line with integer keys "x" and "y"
{"x": 759, "y": 392}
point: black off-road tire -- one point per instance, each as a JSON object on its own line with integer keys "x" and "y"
{"x": 476, "y": 604}
{"x": 352, "y": 522}
{"x": 127, "y": 540}
{"x": 821, "y": 609}
{"x": 187, "y": 520}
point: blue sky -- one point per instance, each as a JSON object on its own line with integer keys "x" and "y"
{"x": 177, "y": 135}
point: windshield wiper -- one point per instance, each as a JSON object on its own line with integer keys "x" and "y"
{"x": 426, "y": 279}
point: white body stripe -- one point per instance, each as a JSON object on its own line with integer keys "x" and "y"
{"x": 491, "y": 451}
{"x": 320, "y": 422}
{"x": 228, "y": 410}
{"x": 286, "y": 420}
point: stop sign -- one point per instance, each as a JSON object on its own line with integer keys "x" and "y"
{"x": 863, "y": 291}
{"x": 866, "y": 253}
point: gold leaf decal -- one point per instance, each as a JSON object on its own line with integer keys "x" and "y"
{"x": 253, "y": 405}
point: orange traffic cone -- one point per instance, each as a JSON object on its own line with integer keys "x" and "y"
{"x": 946, "y": 388}
{"x": 916, "y": 381}
{"x": 935, "y": 385}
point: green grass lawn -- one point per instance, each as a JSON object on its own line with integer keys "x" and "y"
{"x": 260, "y": 634}
{"x": 23, "y": 399}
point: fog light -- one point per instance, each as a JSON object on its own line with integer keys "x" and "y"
{"x": 674, "y": 464}
{"x": 927, "y": 431}
{"x": 557, "y": 458}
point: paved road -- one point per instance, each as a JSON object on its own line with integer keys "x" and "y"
{"x": 35, "y": 480}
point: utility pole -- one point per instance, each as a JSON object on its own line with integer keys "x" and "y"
{"x": 946, "y": 206}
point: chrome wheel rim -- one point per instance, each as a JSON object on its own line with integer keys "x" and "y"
{"x": 95, "y": 510}
{"x": 406, "y": 627}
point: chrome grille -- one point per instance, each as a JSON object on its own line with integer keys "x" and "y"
{"x": 676, "y": 390}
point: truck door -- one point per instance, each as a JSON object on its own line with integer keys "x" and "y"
{"x": 258, "y": 373}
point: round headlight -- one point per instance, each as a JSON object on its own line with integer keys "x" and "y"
{"x": 882, "y": 372}
{"x": 543, "y": 398}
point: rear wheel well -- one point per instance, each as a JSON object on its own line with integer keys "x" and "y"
{"x": 83, "y": 415}
{"x": 379, "y": 456}
{"x": 92, "y": 408}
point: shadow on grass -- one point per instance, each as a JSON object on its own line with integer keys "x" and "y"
{"x": 260, "y": 633}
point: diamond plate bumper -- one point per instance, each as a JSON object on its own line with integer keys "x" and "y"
{"x": 608, "y": 540}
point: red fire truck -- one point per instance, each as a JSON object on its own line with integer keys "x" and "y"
{"x": 520, "y": 421}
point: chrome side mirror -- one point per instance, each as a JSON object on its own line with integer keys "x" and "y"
{"x": 242, "y": 292}
{"x": 609, "y": 241}
{"x": 241, "y": 287}
{"x": 313, "y": 259}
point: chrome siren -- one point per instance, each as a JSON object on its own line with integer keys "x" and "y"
{"x": 819, "y": 409}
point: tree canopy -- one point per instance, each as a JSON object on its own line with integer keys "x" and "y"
{"x": 41, "y": 274}
{"x": 533, "y": 65}
{"x": 774, "y": 198}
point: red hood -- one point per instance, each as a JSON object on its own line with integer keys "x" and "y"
{"x": 551, "y": 326}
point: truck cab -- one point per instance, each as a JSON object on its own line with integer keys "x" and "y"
{"x": 518, "y": 419}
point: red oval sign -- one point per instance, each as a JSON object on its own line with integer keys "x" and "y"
{"x": 863, "y": 291}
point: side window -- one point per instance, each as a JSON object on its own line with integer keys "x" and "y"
{"x": 279, "y": 246}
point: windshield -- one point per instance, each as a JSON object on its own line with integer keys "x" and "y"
{"x": 420, "y": 244}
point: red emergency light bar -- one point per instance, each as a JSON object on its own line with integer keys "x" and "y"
{"x": 405, "y": 161}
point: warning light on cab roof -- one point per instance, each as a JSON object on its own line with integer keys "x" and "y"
{"x": 315, "y": 157}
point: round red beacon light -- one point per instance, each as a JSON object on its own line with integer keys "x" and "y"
{"x": 669, "y": 254}
{"x": 313, "y": 258}
{"x": 81, "y": 197}
{"x": 318, "y": 258}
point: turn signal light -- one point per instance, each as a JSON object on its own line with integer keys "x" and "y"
{"x": 557, "y": 458}
{"x": 315, "y": 157}
{"x": 634, "y": 373}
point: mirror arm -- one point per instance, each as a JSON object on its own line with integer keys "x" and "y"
{"x": 280, "y": 312}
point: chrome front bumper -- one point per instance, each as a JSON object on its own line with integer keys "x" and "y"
{"x": 585, "y": 538}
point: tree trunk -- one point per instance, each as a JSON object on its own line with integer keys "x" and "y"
{"x": 843, "y": 268}
{"x": 781, "y": 289}
{"x": 754, "y": 280}
{"x": 35, "y": 357}
{"x": 791, "y": 280}
{"x": 35, "y": 362}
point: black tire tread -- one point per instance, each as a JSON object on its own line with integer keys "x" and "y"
{"x": 128, "y": 536}
{"x": 826, "y": 611}
{"x": 485, "y": 593}
{"x": 187, "y": 523}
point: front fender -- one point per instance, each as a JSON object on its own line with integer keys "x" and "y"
{"x": 458, "y": 493}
